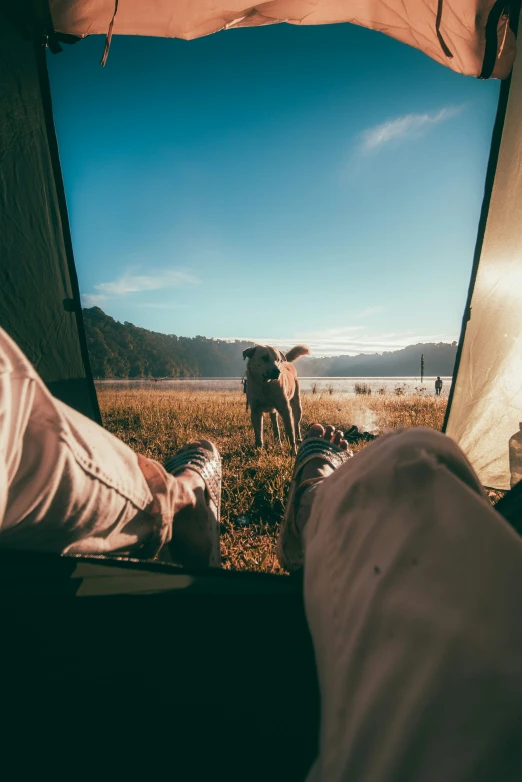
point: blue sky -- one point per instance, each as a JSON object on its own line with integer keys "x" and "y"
{"x": 280, "y": 184}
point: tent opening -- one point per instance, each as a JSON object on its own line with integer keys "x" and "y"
{"x": 205, "y": 209}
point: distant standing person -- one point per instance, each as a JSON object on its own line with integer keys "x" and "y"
{"x": 438, "y": 386}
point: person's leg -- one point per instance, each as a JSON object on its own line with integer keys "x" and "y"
{"x": 69, "y": 486}
{"x": 412, "y": 592}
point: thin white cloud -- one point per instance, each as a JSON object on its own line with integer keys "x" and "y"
{"x": 407, "y": 126}
{"x": 136, "y": 283}
{"x": 93, "y": 299}
{"x": 130, "y": 282}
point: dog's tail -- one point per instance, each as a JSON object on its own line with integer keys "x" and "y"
{"x": 299, "y": 350}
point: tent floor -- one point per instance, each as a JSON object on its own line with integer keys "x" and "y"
{"x": 117, "y": 668}
{"x": 144, "y": 669}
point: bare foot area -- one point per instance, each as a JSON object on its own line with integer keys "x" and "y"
{"x": 290, "y": 551}
{"x": 317, "y": 468}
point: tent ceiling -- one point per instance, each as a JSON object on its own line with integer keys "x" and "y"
{"x": 453, "y": 32}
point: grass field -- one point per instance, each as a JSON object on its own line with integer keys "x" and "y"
{"x": 255, "y": 484}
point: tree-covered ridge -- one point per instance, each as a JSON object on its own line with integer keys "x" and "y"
{"x": 122, "y": 350}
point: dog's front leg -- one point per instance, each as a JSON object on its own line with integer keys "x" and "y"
{"x": 257, "y": 422}
{"x": 275, "y": 427}
{"x": 297, "y": 412}
{"x": 288, "y": 423}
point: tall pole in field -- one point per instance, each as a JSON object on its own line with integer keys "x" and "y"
{"x": 422, "y": 368}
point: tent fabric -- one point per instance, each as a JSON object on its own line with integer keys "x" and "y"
{"x": 486, "y": 409}
{"x": 453, "y": 32}
{"x": 39, "y": 301}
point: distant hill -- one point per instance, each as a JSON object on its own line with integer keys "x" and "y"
{"x": 122, "y": 350}
{"x": 439, "y": 359}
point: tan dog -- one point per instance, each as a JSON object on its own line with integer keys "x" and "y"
{"x": 272, "y": 387}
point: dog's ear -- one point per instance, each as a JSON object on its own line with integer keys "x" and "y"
{"x": 249, "y": 352}
{"x": 282, "y": 356}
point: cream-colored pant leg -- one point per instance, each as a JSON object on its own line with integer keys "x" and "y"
{"x": 66, "y": 484}
{"x": 413, "y": 591}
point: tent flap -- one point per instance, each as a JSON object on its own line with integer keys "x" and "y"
{"x": 486, "y": 409}
{"x": 453, "y": 32}
{"x": 39, "y": 298}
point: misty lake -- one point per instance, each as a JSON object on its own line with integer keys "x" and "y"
{"x": 340, "y": 385}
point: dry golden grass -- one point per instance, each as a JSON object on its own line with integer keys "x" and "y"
{"x": 255, "y": 484}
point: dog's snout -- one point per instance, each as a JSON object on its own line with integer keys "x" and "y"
{"x": 275, "y": 373}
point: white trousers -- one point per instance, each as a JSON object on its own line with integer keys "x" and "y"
{"x": 413, "y": 590}
{"x": 413, "y": 582}
{"x": 66, "y": 484}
